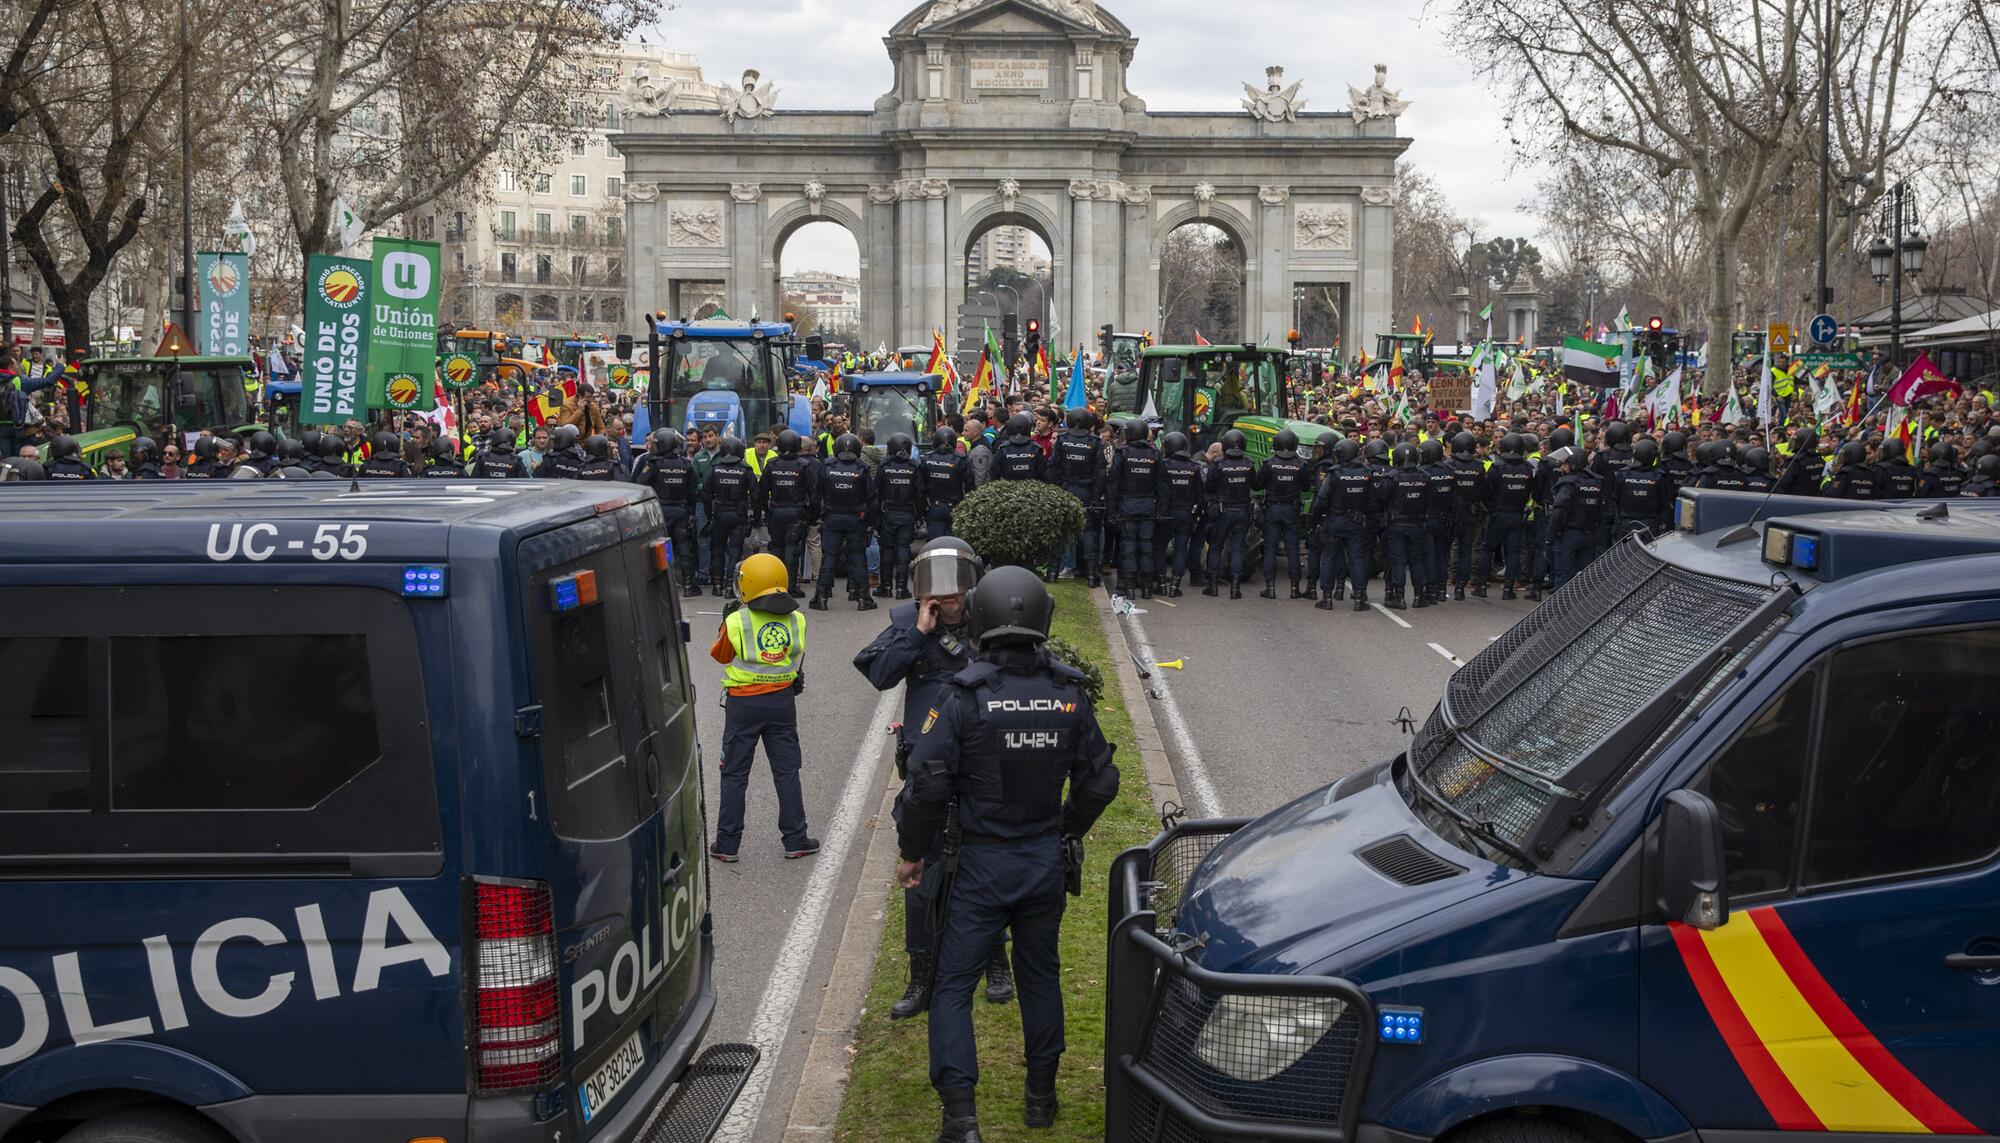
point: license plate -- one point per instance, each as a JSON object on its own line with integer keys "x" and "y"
{"x": 609, "y": 1079}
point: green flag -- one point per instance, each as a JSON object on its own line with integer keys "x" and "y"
{"x": 402, "y": 325}
{"x": 336, "y": 342}
{"x": 1487, "y": 313}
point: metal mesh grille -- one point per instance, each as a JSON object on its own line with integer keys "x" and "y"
{"x": 1173, "y": 864}
{"x": 703, "y": 1095}
{"x": 1155, "y": 1124}
{"x": 1187, "y": 1036}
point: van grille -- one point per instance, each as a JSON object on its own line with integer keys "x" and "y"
{"x": 1404, "y": 861}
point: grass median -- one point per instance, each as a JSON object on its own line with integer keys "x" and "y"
{"x": 889, "y": 1096}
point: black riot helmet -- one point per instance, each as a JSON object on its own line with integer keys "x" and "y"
{"x": 205, "y": 448}
{"x": 1464, "y": 444}
{"x": 943, "y": 439}
{"x": 292, "y": 450}
{"x": 1286, "y": 443}
{"x": 1726, "y": 454}
{"x": 1943, "y": 453}
{"x": 144, "y": 450}
{"x": 1893, "y": 451}
{"x": 1135, "y": 431}
{"x": 262, "y": 444}
{"x": 310, "y": 438}
{"x": 1020, "y": 428}
{"x": 1010, "y": 607}
{"x": 900, "y": 446}
{"x": 444, "y": 449}
{"x": 1568, "y": 456}
{"x": 789, "y": 443}
{"x": 1853, "y": 452}
{"x": 1077, "y": 420}
{"x": 1232, "y": 443}
{"x": 502, "y": 441}
{"x": 665, "y": 443}
{"x": 1346, "y": 451}
{"x": 63, "y": 448}
{"x": 1978, "y": 448}
{"x": 848, "y": 447}
{"x": 564, "y": 437}
{"x": 1674, "y": 443}
{"x": 1375, "y": 448}
{"x": 1617, "y": 433}
{"x": 1989, "y": 465}
{"x": 1510, "y": 447}
{"x": 386, "y": 446}
{"x": 1756, "y": 459}
{"x": 732, "y": 448}
{"x": 330, "y": 446}
{"x": 945, "y": 566}
{"x": 1561, "y": 438}
{"x": 14, "y": 468}
{"x": 1804, "y": 442}
{"x": 598, "y": 447}
{"x": 1645, "y": 452}
{"x": 1175, "y": 444}
{"x": 1404, "y": 456}
{"x": 290, "y": 472}
{"x": 1431, "y": 450}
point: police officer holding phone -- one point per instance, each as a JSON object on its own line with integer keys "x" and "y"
{"x": 986, "y": 792}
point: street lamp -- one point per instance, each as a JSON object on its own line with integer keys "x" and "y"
{"x": 1892, "y": 245}
{"x": 1592, "y": 283}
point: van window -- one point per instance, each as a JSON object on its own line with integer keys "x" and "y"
{"x": 1909, "y": 769}
{"x": 44, "y": 728}
{"x": 1758, "y": 784}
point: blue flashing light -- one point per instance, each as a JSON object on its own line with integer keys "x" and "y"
{"x": 1805, "y": 551}
{"x": 566, "y": 596}
{"x": 423, "y": 582}
{"x": 1400, "y": 1025}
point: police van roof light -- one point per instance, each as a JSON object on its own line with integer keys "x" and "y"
{"x": 1805, "y": 551}
{"x": 573, "y": 591}
{"x": 1400, "y": 1025}
{"x": 425, "y": 582}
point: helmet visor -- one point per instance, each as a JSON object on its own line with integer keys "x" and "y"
{"x": 943, "y": 573}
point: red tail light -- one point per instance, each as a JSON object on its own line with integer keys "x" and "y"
{"x": 517, "y": 1028}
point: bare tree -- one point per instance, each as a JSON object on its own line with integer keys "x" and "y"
{"x": 27, "y": 26}
{"x": 1201, "y": 285}
{"x": 1430, "y": 249}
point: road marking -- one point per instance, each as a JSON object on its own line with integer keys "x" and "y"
{"x": 1200, "y": 788}
{"x": 1455, "y": 660}
{"x": 779, "y": 1005}
{"x": 1393, "y": 617}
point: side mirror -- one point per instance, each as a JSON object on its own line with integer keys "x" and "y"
{"x": 1686, "y": 856}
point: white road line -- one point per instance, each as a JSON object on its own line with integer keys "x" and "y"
{"x": 1455, "y": 660}
{"x": 1393, "y": 617}
{"x": 1200, "y": 789}
{"x": 779, "y": 1005}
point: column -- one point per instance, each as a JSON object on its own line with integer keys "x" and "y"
{"x": 1273, "y": 295}
{"x": 880, "y": 286}
{"x": 1083, "y": 321}
{"x": 1377, "y": 292}
{"x": 746, "y": 244}
{"x": 1139, "y": 305}
{"x": 936, "y": 262}
{"x": 648, "y": 290}
{"x": 909, "y": 261}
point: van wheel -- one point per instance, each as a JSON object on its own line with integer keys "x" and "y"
{"x": 1515, "y": 1129}
{"x": 146, "y": 1125}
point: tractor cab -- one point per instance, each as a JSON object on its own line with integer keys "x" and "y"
{"x": 130, "y": 396}
{"x": 891, "y": 403}
{"x": 729, "y": 375}
{"x": 1206, "y": 390}
{"x": 1121, "y": 369}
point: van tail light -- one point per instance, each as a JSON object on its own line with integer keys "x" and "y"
{"x": 517, "y": 1027}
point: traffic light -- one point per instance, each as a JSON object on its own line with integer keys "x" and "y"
{"x": 1010, "y": 338}
{"x": 1654, "y": 325}
{"x": 1104, "y": 341}
{"x": 1034, "y": 339}
{"x": 624, "y": 349}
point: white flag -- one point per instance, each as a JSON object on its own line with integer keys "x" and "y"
{"x": 347, "y": 223}
{"x": 1484, "y": 392}
{"x": 1826, "y": 397}
{"x": 238, "y": 227}
{"x": 1624, "y": 320}
{"x": 1765, "y": 402}
{"x": 1517, "y": 382}
{"x": 1666, "y": 400}
{"x": 1732, "y": 411}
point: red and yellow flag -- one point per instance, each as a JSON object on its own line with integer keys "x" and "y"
{"x": 1854, "y": 402}
{"x": 982, "y": 384}
{"x": 1396, "y": 369}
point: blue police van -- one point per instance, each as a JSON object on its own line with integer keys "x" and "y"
{"x": 1707, "y": 847}
{"x": 336, "y": 811}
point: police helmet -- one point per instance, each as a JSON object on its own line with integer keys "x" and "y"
{"x": 1020, "y": 427}
{"x": 1727, "y": 454}
{"x": 502, "y": 441}
{"x": 1232, "y": 443}
{"x": 789, "y": 443}
{"x": 1175, "y": 444}
{"x": 665, "y": 442}
{"x": 63, "y": 448}
{"x": 1286, "y": 443}
{"x": 1376, "y": 447}
{"x": 1943, "y": 453}
{"x": 1979, "y": 448}
{"x": 1560, "y": 438}
{"x": 945, "y": 566}
{"x": 245, "y": 472}
{"x": 900, "y": 446}
{"x": 848, "y": 447}
{"x": 292, "y": 450}
{"x": 323, "y": 474}
{"x": 1346, "y": 451}
{"x": 331, "y": 447}
{"x": 1463, "y": 444}
{"x": 1804, "y": 441}
{"x": 565, "y": 436}
{"x": 21, "y": 468}
{"x": 1431, "y": 450}
{"x": 1853, "y": 452}
{"x": 1989, "y": 465}
{"x": 1617, "y": 433}
{"x": 1077, "y": 420}
{"x": 943, "y": 439}
{"x": 310, "y": 438}
{"x": 732, "y": 448}
{"x": 386, "y": 446}
{"x": 1568, "y": 456}
{"x": 1404, "y": 456}
{"x": 598, "y": 447}
{"x": 262, "y": 444}
{"x": 1509, "y": 447}
{"x": 290, "y": 472}
{"x": 1645, "y": 452}
{"x": 1135, "y": 431}
{"x": 205, "y": 448}
{"x": 1010, "y": 607}
{"x": 1893, "y": 451}
{"x": 143, "y": 450}
{"x": 1757, "y": 459}
{"x": 1674, "y": 443}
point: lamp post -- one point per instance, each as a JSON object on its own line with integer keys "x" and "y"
{"x": 1592, "y": 283}
{"x": 1893, "y": 255}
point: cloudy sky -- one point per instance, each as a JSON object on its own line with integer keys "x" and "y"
{"x": 1193, "y": 55}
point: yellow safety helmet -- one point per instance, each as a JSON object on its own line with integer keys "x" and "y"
{"x": 761, "y": 575}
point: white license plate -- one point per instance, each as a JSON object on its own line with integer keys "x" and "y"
{"x": 609, "y": 1079}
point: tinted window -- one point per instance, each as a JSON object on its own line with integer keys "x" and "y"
{"x": 1758, "y": 784}
{"x": 1173, "y": 393}
{"x": 44, "y": 728}
{"x": 197, "y": 725}
{"x": 1908, "y": 778}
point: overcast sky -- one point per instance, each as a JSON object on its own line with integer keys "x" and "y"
{"x": 1193, "y": 55}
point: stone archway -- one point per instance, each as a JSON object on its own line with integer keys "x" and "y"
{"x": 982, "y": 218}
{"x": 1019, "y": 109}
{"x": 788, "y": 219}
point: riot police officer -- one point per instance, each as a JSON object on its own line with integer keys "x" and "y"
{"x": 847, "y": 497}
{"x": 1895, "y": 477}
{"x": 603, "y": 464}
{"x": 1510, "y": 484}
{"x": 499, "y": 461}
{"x": 730, "y": 497}
{"x": 988, "y": 773}
{"x": 1803, "y": 470}
{"x": 1541, "y": 541}
{"x": 332, "y": 457}
{"x": 1322, "y": 463}
{"x": 1723, "y": 471}
{"x": 1436, "y": 550}
{"x": 1180, "y": 510}
{"x": 1408, "y": 498}
{"x": 1346, "y": 498}
{"x": 292, "y": 454}
{"x": 308, "y": 454}
{"x": 899, "y": 498}
{"x": 205, "y": 466}
{"x": 1755, "y": 466}
{"x": 444, "y": 461}
{"x": 1019, "y": 457}
{"x": 1468, "y": 508}
{"x": 1942, "y": 476}
{"x": 1639, "y": 492}
{"x": 1853, "y": 477}
{"x": 789, "y": 485}
{"x": 145, "y": 459}
{"x": 925, "y": 644}
{"x": 671, "y": 476}
{"x": 66, "y": 461}
{"x": 1137, "y": 483}
{"x": 1287, "y": 479}
{"x": 564, "y": 460}
{"x": 1678, "y": 469}
{"x": 1233, "y": 481}
{"x": 1076, "y": 464}
{"x": 1576, "y": 517}
{"x": 1985, "y": 480}
{"x": 263, "y": 453}
{"x": 1616, "y": 453}
{"x": 385, "y": 457}
{"x": 946, "y": 481}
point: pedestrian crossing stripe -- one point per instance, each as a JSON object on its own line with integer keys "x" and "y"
{"x": 1811, "y": 1061}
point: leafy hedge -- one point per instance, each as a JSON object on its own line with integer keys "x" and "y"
{"x": 1069, "y": 654}
{"x": 1018, "y": 523}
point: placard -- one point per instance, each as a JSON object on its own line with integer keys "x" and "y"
{"x": 1010, "y": 75}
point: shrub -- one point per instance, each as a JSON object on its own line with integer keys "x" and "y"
{"x": 1018, "y": 523}
{"x": 1066, "y": 653}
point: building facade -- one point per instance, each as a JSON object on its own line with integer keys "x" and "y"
{"x": 833, "y": 300}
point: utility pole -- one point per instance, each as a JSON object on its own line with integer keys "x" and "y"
{"x": 187, "y": 185}
{"x": 6, "y": 257}
{"x": 1784, "y": 190}
{"x": 1823, "y": 301}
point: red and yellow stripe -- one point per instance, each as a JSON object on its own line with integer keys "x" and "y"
{"x": 1814, "y": 1065}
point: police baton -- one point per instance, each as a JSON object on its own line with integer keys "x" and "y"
{"x": 939, "y": 880}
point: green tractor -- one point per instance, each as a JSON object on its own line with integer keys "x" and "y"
{"x": 131, "y": 395}
{"x": 1206, "y": 390}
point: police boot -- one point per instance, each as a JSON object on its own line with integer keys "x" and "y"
{"x": 1535, "y": 593}
{"x": 1360, "y": 599}
{"x": 1325, "y": 604}
{"x": 883, "y": 588}
{"x": 1394, "y": 602}
{"x": 1211, "y": 588}
{"x": 1479, "y": 592}
{"x": 1236, "y": 589}
{"x": 1270, "y": 590}
{"x": 1174, "y": 588}
{"x": 1506, "y": 592}
{"x": 916, "y": 995}
{"x": 866, "y": 601}
{"x": 1296, "y": 592}
{"x": 1424, "y": 597}
{"x": 1038, "y": 1108}
{"x": 960, "y": 1129}
{"x": 819, "y": 599}
{"x": 1458, "y": 593}
{"x": 1340, "y": 591}
{"x": 1146, "y": 588}
{"x": 999, "y": 978}
{"x": 902, "y": 585}
{"x": 1095, "y": 580}
{"x": 692, "y": 589}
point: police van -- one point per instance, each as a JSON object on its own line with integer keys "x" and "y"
{"x": 1707, "y": 847}
{"x": 345, "y": 812}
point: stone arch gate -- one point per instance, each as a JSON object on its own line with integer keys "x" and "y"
{"x": 1018, "y": 111}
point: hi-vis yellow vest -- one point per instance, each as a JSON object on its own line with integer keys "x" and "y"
{"x": 769, "y": 648}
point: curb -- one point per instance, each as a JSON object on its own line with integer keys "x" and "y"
{"x": 1160, "y": 780}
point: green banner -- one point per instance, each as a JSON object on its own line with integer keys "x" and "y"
{"x": 402, "y": 326}
{"x": 336, "y": 345}
{"x": 224, "y": 282}
{"x": 1837, "y": 360}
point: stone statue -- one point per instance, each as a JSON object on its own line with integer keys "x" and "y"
{"x": 815, "y": 192}
{"x": 1276, "y": 103}
{"x": 653, "y": 99}
{"x": 1010, "y": 189}
{"x": 753, "y": 102}
{"x": 1378, "y": 102}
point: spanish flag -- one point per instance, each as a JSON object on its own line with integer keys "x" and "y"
{"x": 1042, "y": 360}
{"x": 543, "y": 407}
{"x": 1854, "y": 402}
{"x": 1396, "y": 369}
{"x": 982, "y": 384}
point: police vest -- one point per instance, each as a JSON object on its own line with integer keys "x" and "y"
{"x": 897, "y": 486}
{"x": 1029, "y": 728}
{"x": 1284, "y": 481}
{"x": 768, "y": 648}
{"x": 944, "y": 478}
{"x": 1076, "y": 457}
